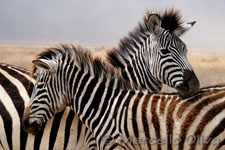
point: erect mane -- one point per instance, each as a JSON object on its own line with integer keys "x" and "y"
{"x": 83, "y": 58}
{"x": 171, "y": 20}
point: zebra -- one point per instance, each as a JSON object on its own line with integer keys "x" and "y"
{"x": 118, "y": 117}
{"x": 64, "y": 131}
{"x": 153, "y": 54}
{"x": 126, "y": 69}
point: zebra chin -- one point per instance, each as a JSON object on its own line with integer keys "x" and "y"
{"x": 190, "y": 85}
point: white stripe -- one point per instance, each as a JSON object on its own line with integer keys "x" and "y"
{"x": 59, "y": 142}
{"x": 30, "y": 142}
{"x": 73, "y": 134}
{"x": 150, "y": 124}
{"x": 3, "y": 138}
{"x": 120, "y": 111}
{"x": 198, "y": 119}
{"x": 82, "y": 95}
{"x": 140, "y": 123}
{"x": 46, "y": 134}
{"x": 7, "y": 102}
{"x": 209, "y": 128}
{"x": 23, "y": 74}
{"x": 129, "y": 115}
{"x": 220, "y": 138}
{"x": 107, "y": 119}
{"x": 100, "y": 106}
{"x": 19, "y": 85}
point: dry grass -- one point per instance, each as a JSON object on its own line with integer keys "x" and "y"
{"x": 208, "y": 66}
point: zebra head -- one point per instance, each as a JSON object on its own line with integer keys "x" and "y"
{"x": 168, "y": 61}
{"x": 48, "y": 95}
{"x": 153, "y": 54}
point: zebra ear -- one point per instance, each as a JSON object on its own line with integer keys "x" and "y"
{"x": 154, "y": 23}
{"x": 48, "y": 65}
{"x": 184, "y": 28}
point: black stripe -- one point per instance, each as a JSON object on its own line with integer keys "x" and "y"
{"x": 222, "y": 143}
{"x": 75, "y": 85}
{"x": 19, "y": 77}
{"x": 55, "y": 129}
{"x": 13, "y": 93}
{"x": 155, "y": 119}
{"x": 104, "y": 135}
{"x": 216, "y": 131}
{"x": 96, "y": 122}
{"x": 211, "y": 114}
{"x": 69, "y": 121}
{"x": 126, "y": 105}
{"x": 7, "y": 123}
{"x": 37, "y": 139}
{"x": 134, "y": 116}
{"x": 23, "y": 137}
{"x": 79, "y": 129}
{"x": 80, "y": 90}
{"x": 96, "y": 101}
{"x": 145, "y": 119}
{"x": 131, "y": 70}
{"x": 86, "y": 97}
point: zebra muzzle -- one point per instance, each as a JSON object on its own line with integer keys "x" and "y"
{"x": 30, "y": 125}
{"x": 33, "y": 127}
{"x": 190, "y": 85}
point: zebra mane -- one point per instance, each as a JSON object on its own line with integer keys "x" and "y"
{"x": 83, "y": 58}
{"x": 171, "y": 20}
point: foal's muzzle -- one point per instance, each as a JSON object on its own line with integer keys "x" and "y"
{"x": 30, "y": 126}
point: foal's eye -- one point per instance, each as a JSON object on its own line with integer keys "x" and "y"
{"x": 164, "y": 51}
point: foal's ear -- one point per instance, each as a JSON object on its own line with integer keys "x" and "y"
{"x": 154, "y": 23}
{"x": 184, "y": 28}
{"x": 48, "y": 65}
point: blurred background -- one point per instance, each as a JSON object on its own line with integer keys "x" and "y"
{"x": 28, "y": 26}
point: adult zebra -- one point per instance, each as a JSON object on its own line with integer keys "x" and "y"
{"x": 172, "y": 70}
{"x": 118, "y": 117}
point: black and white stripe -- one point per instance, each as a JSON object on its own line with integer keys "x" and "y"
{"x": 118, "y": 116}
{"x": 64, "y": 131}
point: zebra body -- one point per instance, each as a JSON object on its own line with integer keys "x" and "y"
{"x": 64, "y": 131}
{"x": 118, "y": 117}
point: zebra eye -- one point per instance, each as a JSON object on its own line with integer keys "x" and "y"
{"x": 164, "y": 51}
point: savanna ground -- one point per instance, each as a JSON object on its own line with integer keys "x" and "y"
{"x": 209, "y": 66}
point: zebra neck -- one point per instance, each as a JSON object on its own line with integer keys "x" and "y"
{"x": 93, "y": 98}
{"x": 133, "y": 68}
{"x": 138, "y": 74}
{"x": 131, "y": 59}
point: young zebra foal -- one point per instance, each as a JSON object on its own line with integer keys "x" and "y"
{"x": 69, "y": 76}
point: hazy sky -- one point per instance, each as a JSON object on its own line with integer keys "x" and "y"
{"x": 104, "y": 22}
